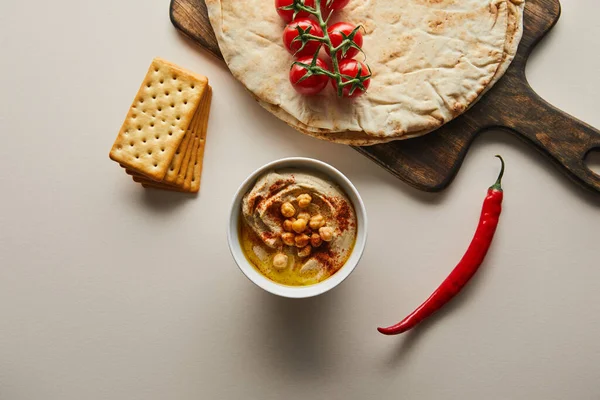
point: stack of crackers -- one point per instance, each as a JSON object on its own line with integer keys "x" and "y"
{"x": 161, "y": 142}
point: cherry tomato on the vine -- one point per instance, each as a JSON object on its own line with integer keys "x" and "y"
{"x": 291, "y": 32}
{"x": 337, "y": 33}
{"x": 351, "y": 68}
{"x": 288, "y": 15}
{"x": 311, "y": 85}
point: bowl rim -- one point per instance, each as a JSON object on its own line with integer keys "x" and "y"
{"x": 298, "y": 291}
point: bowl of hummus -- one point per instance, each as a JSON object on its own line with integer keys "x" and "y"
{"x": 297, "y": 228}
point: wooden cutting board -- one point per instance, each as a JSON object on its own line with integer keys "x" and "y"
{"x": 431, "y": 162}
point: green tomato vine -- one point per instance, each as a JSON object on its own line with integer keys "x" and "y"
{"x": 304, "y": 36}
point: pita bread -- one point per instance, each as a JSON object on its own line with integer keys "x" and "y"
{"x": 514, "y": 34}
{"x": 430, "y": 62}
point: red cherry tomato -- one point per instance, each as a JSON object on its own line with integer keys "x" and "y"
{"x": 350, "y": 68}
{"x": 335, "y": 34}
{"x": 335, "y": 5}
{"x": 288, "y": 15}
{"x": 291, "y": 32}
{"x": 311, "y": 85}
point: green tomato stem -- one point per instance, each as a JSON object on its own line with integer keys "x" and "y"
{"x": 326, "y": 40}
{"x": 316, "y": 38}
{"x": 332, "y": 50}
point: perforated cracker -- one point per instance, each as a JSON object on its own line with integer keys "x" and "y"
{"x": 189, "y": 176}
{"x": 157, "y": 185}
{"x": 163, "y": 187}
{"x": 158, "y": 119}
{"x": 185, "y": 167}
{"x": 175, "y": 167}
{"x": 146, "y": 183}
{"x": 184, "y": 164}
{"x": 176, "y": 164}
{"x": 185, "y": 171}
{"x": 201, "y": 131}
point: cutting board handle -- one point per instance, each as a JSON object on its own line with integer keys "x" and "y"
{"x": 560, "y": 136}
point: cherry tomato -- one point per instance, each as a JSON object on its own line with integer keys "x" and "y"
{"x": 335, "y": 34}
{"x": 311, "y": 85}
{"x": 291, "y": 32}
{"x": 335, "y": 5}
{"x": 350, "y": 68}
{"x": 288, "y": 15}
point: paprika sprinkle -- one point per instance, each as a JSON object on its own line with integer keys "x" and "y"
{"x": 468, "y": 265}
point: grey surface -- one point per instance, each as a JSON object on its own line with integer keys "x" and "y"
{"x": 111, "y": 292}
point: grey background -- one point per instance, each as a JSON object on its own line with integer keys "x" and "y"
{"x": 111, "y": 292}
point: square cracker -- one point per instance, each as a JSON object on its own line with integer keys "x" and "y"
{"x": 188, "y": 178}
{"x": 184, "y": 164}
{"x": 184, "y": 157}
{"x": 162, "y": 187}
{"x": 184, "y": 175}
{"x": 147, "y": 183}
{"x": 175, "y": 167}
{"x": 201, "y": 131}
{"x": 158, "y": 118}
{"x": 184, "y": 178}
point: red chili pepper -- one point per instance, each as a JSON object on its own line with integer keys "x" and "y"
{"x": 468, "y": 265}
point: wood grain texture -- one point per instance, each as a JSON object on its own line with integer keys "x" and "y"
{"x": 431, "y": 162}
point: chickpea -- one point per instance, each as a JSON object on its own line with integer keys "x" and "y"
{"x": 288, "y": 210}
{"x": 288, "y": 238}
{"x": 304, "y": 200}
{"x": 299, "y": 225}
{"x": 326, "y": 233}
{"x": 302, "y": 240}
{"x": 280, "y": 261}
{"x": 304, "y": 215}
{"x": 316, "y": 222}
{"x": 304, "y": 252}
{"x": 316, "y": 240}
{"x": 287, "y": 224}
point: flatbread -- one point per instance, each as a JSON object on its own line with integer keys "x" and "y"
{"x": 514, "y": 35}
{"x": 430, "y": 62}
{"x": 515, "y": 27}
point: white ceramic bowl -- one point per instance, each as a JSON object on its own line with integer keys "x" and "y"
{"x": 298, "y": 291}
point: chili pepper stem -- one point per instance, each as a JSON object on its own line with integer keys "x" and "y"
{"x": 498, "y": 184}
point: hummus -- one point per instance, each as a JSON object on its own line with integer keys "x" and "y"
{"x": 322, "y": 238}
